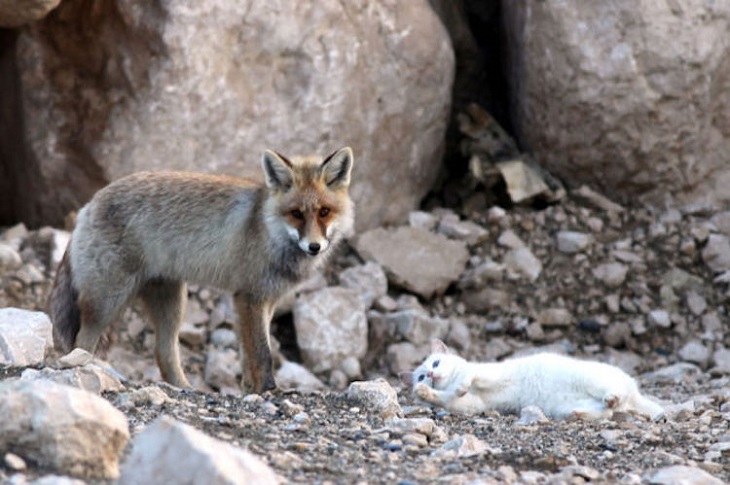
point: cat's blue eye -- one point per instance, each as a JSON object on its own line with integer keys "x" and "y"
{"x": 436, "y": 363}
{"x": 421, "y": 377}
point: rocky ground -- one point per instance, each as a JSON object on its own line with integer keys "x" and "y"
{"x": 643, "y": 289}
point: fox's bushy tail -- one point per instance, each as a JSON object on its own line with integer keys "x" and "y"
{"x": 63, "y": 306}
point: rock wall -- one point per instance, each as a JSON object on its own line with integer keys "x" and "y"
{"x": 632, "y": 97}
{"x": 109, "y": 88}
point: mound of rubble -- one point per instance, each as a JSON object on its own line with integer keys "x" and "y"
{"x": 643, "y": 289}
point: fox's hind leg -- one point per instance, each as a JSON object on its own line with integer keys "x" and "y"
{"x": 96, "y": 313}
{"x": 164, "y": 303}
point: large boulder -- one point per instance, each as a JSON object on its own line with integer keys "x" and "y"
{"x": 126, "y": 86}
{"x": 62, "y": 429}
{"x": 633, "y": 97}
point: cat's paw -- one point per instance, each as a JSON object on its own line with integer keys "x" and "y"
{"x": 611, "y": 401}
{"x": 462, "y": 390}
{"x": 424, "y": 392}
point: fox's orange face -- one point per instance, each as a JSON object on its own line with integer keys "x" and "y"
{"x": 309, "y": 218}
{"x": 313, "y": 201}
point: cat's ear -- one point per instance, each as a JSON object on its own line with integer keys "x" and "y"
{"x": 438, "y": 347}
{"x": 406, "y": 378}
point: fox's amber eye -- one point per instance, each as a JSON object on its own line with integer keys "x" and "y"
{"x": 436, "y": 363}
{"x": 324, "y": 212}
{"x": 297, "y": 214}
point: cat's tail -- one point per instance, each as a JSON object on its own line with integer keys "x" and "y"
{"x": 646, "y": 406}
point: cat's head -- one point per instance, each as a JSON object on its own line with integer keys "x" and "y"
{"x": 436, "y": 370}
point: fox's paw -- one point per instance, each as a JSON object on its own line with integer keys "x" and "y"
{"x": 424, "y": 392}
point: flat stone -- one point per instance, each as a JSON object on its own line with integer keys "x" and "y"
{"x": 716, "y": 253}
{"x": 417, "y": 260}
{"x": 611, "y": 274}
{"x": 570, "y": 242}
{"x": 295, "y": 376}
{"x": 520, "y": 262}
{"x": 417, "y": 326}
{"x": 696, "y": 352}
{"x": 659, "y": 318}
{"x": 368, "y": 280}
{"x": 25, "y": 337}
{"x": 680, "y": 474}
{"x": 377, "y": 394}
{"x": 157, "y": 451}
{"x": 555, "y": 317}
{"x": 331, "y": 326}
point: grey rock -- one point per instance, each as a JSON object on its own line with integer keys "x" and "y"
{"x": 467, "y": 231}
{"x": 90, "y": 377}
{"x": 331, "y": 326}
{"x": 368, "y": 280}
{"x": 680, "y": 475}
{"x": 524, "y": 181}
{"x": 416, "y": 326}
{"x": 520, "y": 262}
{"x": 351, "y": 367}
{"x": 721, "y": 361}
{"x": 594, "y": 48}
{"x": 695, "y": 302}
{"x": 201, "y": 93}
{"x": 224, "y": 338}
{"x": 462, "y": 447}
{"x": 404, "y": 356}
{"x": 10, "y": 259}
{"x": 617, "y": 334}
{"x": 62, "y": 429}
{"x": 25, "y": 337}
{"x": 611, "y": 274}
{"x": 377, "y": 394}
{"x": 486, "y": 299}
{"x": 572, "y": 242}
{"x": 485, "y": 272}
{"x": 696, "y": 352}
{"x": 222, "y": 369}
{"x": 422, "y": 220}
{"x": 156, "y": 452}
{"x": 509, "y": 239}
{"x": 295, "y": 376}
{"x": 659, "y": 318}
{"x": 673, "y": 374}
{"x": 555, "y": 317}
{"x": 716, "y": 253}
{"x": 417, "y": 260}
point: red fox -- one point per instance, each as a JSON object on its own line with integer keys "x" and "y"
{"x": 147, "y": 234}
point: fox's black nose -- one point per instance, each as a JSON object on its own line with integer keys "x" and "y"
{"x": 314, "y": 248}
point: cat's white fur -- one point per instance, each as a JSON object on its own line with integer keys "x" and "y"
{"x": 563, "y": 387}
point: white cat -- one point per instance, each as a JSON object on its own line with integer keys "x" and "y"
{"x": 563, "y": 387}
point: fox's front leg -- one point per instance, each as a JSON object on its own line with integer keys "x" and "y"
{"x": 254, "y": 319}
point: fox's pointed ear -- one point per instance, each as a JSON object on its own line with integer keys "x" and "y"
{"x": 277, "y": 170}
{"x": 336, "y": 168}
{"x": 406, "y": 378}
{"x": 438, "y": 347}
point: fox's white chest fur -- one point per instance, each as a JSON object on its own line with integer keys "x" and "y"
{"x": 561, "y": 386}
